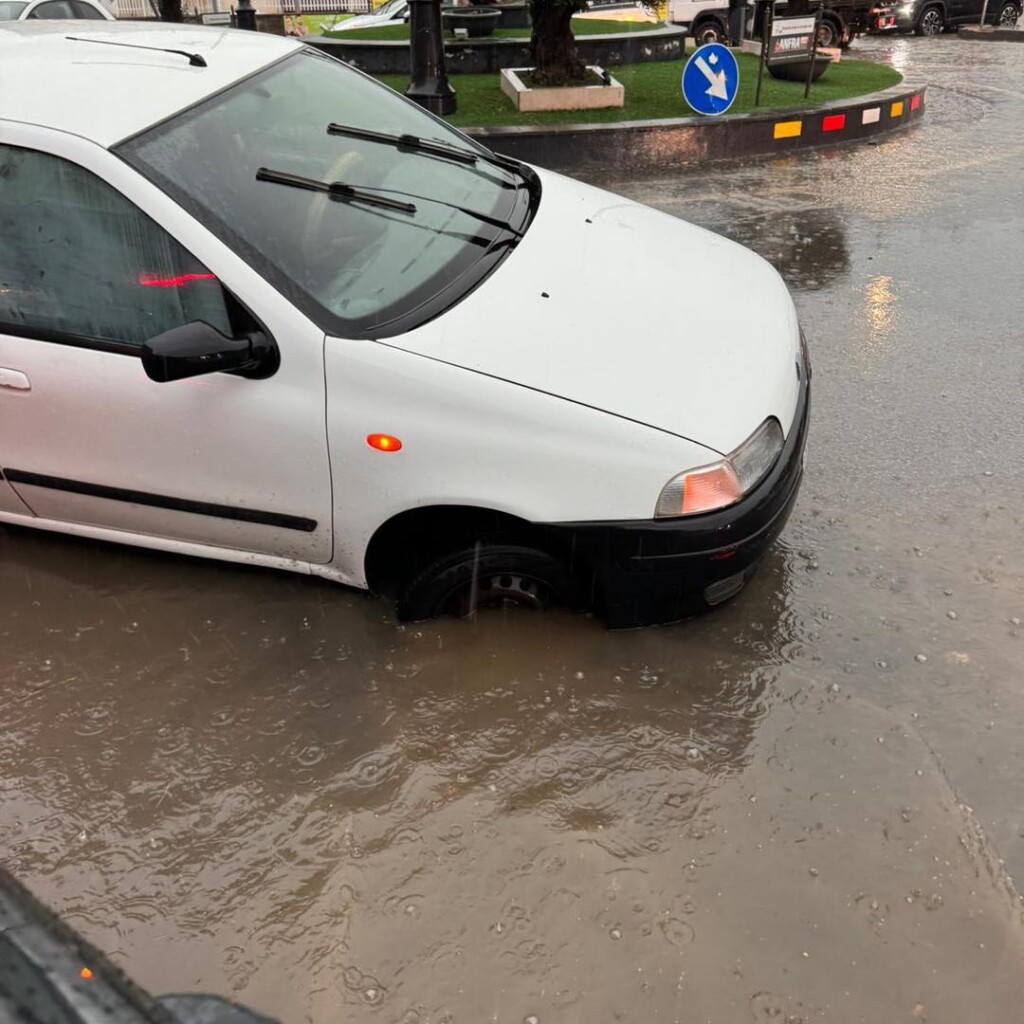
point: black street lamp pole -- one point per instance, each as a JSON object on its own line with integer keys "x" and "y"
{"x": 429, "y": 85}
{"x": 245, "y": 15}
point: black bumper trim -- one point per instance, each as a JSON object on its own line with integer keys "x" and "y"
{"x": 652, "y": 571}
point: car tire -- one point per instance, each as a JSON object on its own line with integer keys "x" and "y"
{"x": 709, "y": 32}
{"x": 830, "y": 34}
{"x": 931, "y": 22}
{"x": 486, "y": 575}
{"x": 1009, "y": 15}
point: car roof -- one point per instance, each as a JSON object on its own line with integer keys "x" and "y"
{"x": 109, "y": 93}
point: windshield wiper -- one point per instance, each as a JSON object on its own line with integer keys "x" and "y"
{"x": 413, "y": 143}
{"x": 484, "y": 218}
{"x": 370, "y": 195}
{"x": 335, "y": 189}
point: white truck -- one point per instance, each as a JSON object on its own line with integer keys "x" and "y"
{"x": 841, "y": 20}
{"x": 707, "y": 21}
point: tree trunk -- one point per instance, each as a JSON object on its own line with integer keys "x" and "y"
{"x": 552, "y": 46}
{"x": 169, "y": 10}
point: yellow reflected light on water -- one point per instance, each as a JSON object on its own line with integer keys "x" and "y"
{"x": 878, "y": 320}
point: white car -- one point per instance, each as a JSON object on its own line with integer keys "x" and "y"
{"x": 45, "y": 10}
{"x": 264, "y": 309}
{"x": 394, "y": 12}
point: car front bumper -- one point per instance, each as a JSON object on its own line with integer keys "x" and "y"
{"x": 654, "y": 571}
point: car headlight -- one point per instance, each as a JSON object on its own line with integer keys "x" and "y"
{"x": 723, "y": 483}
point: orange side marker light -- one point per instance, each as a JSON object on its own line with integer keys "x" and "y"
{"x": 384, "y": 442}
{"x": 85, "y": 974}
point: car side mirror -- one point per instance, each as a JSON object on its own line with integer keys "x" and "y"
{"x": 197, "y": 348}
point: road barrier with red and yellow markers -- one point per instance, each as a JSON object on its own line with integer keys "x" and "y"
{"x": 876, "y": 113}
{"x": 636, "y": 146}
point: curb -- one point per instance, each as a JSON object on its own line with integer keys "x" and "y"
{"x": 679, "y": 142}
{"x": 991, "y": 35}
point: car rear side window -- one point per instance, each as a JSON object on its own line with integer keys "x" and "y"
{"x": 86, "y": 11}
{"x": 79, "y": 262}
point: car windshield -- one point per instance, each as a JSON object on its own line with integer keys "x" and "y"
{"x": 10, "y": 11}
{"x": 391, "y": 7}
{"x": 357, "y": 266}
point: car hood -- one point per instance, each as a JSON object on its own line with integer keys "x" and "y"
{"x": 616, "y": 306}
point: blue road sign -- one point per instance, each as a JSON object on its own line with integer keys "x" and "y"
{"x": 711, "y": 79}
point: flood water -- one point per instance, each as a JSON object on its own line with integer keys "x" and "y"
{"x": 807, "y": 806}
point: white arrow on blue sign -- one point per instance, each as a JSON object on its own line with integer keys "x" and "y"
{"x": 711, "y": 79}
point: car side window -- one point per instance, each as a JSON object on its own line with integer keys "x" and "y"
{"x": 85, "y": 11}
{"x": 81, "y": 263}
{"x": 52, "y": 9}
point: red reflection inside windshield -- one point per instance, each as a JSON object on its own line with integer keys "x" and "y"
{"x": 152, "y": 281}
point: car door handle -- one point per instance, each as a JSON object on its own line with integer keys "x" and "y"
{"x": 14, "y": 379}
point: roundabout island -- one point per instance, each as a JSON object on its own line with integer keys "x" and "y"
{"x": 653, "y": 129}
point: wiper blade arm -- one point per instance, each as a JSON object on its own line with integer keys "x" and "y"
{"x": 413, "y": 143}
{"x": 484, "y": 218}
{"x": 335, "y": 189}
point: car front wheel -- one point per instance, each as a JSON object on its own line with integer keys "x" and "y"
{"x": 931, "y": 22}
{"x": 486, "y": 575}
{"x": 1009, "y": 15}
{"x": 829, "y": 34}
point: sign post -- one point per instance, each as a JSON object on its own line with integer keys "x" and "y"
{"x": 814, "y": 53}
{"x": 767, "y": 17}
{"x": 793, "y": 41}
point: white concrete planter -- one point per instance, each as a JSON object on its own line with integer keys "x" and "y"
{"x": 571, "y": 97}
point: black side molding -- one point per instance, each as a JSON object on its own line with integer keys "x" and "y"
{"x": 199, "y": 508}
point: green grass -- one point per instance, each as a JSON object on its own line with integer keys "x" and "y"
{"x": 314, "y": 21}
{"x": 580, "y": 27}
{"x": 653, "y": 91}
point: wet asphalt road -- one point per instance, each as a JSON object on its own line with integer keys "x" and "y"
{"x": 808, "y": 806}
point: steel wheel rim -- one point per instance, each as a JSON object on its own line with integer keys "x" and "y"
{"x": 498, "y": 590}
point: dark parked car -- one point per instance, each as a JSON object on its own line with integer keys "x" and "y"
{"x": 930, "y": 17}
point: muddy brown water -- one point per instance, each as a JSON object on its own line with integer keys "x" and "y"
{"x": 805, "y": 807}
